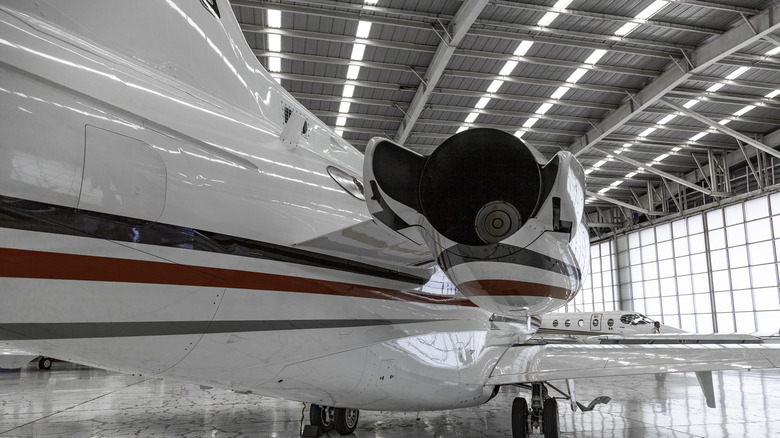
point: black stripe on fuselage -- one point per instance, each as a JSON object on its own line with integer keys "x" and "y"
{"x": 503, "y": 253}
{"x": 87, "y": 330}
{"x": 27, "y": 215}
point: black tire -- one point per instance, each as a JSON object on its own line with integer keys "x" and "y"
{"x": 519, "y": 418}
{"x": 346, "y": 420}
{"x": 550, "y": 418}
{"x": 321, "y": 416}
{"x": 45, "y": 363}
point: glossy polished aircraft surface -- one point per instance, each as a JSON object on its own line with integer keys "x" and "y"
{"x": 166, "y": 208}
{"x": 75, "y": 401}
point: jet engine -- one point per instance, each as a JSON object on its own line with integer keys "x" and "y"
{"x": 504, "y": 224}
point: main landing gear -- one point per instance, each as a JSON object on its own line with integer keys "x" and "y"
{"x": 327, "y": 418}
{"x": 543, "y": 413}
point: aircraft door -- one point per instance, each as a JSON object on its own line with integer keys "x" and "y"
{"x": 595, "y": 322}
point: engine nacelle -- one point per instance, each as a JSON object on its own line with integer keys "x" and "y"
{"x": 506, "y": 228}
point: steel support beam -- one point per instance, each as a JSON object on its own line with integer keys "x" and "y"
{"x": 623, "y": 204}
{"x": 718, "y": 48}
{"x": 721, "y": 128}
{"x": 661, "y": 173}
{"x": 464, "y": 18}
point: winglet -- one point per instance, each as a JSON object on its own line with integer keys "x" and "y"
{"x": 705, "y": 381}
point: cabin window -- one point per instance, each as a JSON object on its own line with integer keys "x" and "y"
{"x": 347, "y": 182}
{"x": 595, "y": 322}
{"x": 580, "y": 323}
{"x": 610, "y": 322}
{"x": 567, "y": 323}
{"x": 555, "y": 323}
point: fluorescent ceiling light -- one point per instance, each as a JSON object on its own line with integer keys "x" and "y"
{"x": 522, "y": 49}
{"x": 690, "y": 103}
{"x": 349, "y": 90}
{"x": 774, "y": 51}
{"x": 600, "y": 163}
{"x": 494, "y": 86}
{"x": 274, "y": 64}
{"x": 341, "y": 121}
{"x": 520, "y": 133}
{"x": 626, "y": 29}
{"x": 544, "y": 108}
{"x": 471, "y": 117}
{"x": 461, "y": 129}
{"x": 364, "y": 28}
{"x": 508, "y": 67}
{"x": 530, "y": 122}
{"x": 589, "y": 171}
{"x": 562, "y": 4}
{"x": 595, "y": 56}
{"x": 274, "y": 42}
{"x": 626, "y": 145}
{"x": 357, "y": 52}
{"x": 631, "y": 175}
{"x": 737, "y": 73}
{"x": 353, "y": 71}
{"x": 616, "y": 183}
{"x": 340, "y": 132}
{"x": 274, "y": 18}
{"x": 773, "y": 94}
{"x": 577, "y": 75}
{"x": 547, "y": 19}
{"x": 667, "y": 119}
{"x": 646, "y": 132}
{"x": 676, "y": 149}
{"x": 715, "y": 88}
{"x": 560, "y": 92}
{"x": 744, "y": 110}
{"x": 604, "y": 190}
{"x": 482, "y": 103}
{"x": 724, "y": 122}
{"x": 371, "y": 2}
{"x": 344, "y": 107}
{"x": 661, "y": 158}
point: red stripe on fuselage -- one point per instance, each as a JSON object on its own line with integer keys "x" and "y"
{"x": 19, "y": 263}
{"x": 509, "y": 288}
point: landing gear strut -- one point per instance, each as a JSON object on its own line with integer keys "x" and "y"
{"x": 327, "y": 418}
{"x": 543, "y": 414}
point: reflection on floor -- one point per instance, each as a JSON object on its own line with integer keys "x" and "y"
{"x": 76, "y": 401}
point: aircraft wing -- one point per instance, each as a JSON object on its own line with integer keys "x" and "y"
{"x": 634, "y": 355}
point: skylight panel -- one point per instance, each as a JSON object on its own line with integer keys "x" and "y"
{"x": 626, "y": 29}
{"x": 274, "y": 18}
{"x": 341, "y": 121}
{"x": 595, "y": 56}
{"x": 690, "y": 103}
{"x": 647, "y": 132}
{"x": 494, "y": 86}
{"x": 471, "y": 117}
{"x": 349, "y": 90}
{"x": 357, "y": 52}
{"x": 651, "y": 10}
{"x": 482, "y": 103}
{"x": 364, "y": 28}
{"x": 744, "y": 110}
{"x": 523, "y": 48}
{"x": 520, "y": 133}
{"x": 773, "y": 94}
{"x": 544, "y": 108}
{"x": 577, "y": 75}
{"x": 715, "y": 88}
{"x": 547, "y": 19}
{"x": 507, "y": 69}
{"x": 737, "y": 73}
{"x": 774, "y": 51}
{"x": 697, "y": 136}
{"x": 344, "y": 107}
{"x": 274, "y": 64}
{"x": 274, "y": 42}
{"x": 667, "y": 119}
{"x": 530, "y": 122}
{"x": 353, "y": 71}
{"x": 560, "y": 92}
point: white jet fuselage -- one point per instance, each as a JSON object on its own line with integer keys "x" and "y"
{"x": 157, "y": 217}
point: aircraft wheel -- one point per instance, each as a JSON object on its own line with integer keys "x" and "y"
{"x": 550, "y": 418}
{"x": 45, "y": 363}
{"x": 346, "y": 420}
{"x": 519, "y": 418}
{"x": 321, "y": 416}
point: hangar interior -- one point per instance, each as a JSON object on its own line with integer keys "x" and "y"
{"x": 671, "y": 107}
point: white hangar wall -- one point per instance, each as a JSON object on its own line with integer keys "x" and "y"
{"x": 713, "y": 271}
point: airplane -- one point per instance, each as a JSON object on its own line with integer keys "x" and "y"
{"x": 168, "y": 209}
{"x": 601, "y": 323}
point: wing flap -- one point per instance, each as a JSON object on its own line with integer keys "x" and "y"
{"x": 535, "y": 363}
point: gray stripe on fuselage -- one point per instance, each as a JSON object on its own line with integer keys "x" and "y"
{"x": 77, "y": 330}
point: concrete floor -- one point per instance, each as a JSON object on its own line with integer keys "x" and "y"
{"x": 76, "y": 401}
